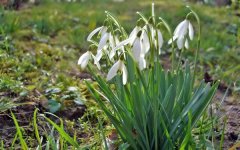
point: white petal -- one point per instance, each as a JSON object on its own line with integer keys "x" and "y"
{"x": 112, "y": 54}
{"x": 191, "y": 31}
{"x": 142, "y": 63}
{"x": 183, "y": 29}
{"x": 103, "y": 41}
{"x": 136, "y": 49}
{"x": 160, "y": 39}
{"x": 99, "y": 55}
{"x": 103, "y": 31}
{"x": 125, "y": 42}
{"x": 84, "y": 64}
{"x": 113, "y": 70}
{"x": 180, "y": 42}
{"x": 186, "y": 44}
{"x": 93, "y": 33}
{"x": 83, "y": 60}
{"x": 96, "y": 62}
{"x": 124, "y": 73}
{"x": 179, "y": 27}
{"x": 146, "y": 44}
{"x": 134, "y": 32}
{"x": 111, "y": 41}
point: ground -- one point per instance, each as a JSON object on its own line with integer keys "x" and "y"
{"x": 40, "y": 46}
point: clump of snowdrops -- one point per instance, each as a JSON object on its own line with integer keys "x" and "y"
{"x": 151, "y": 108}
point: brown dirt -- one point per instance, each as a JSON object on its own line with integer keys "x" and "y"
{"x": 230, "y": 109}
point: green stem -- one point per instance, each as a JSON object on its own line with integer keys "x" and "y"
{"x": 198, "y": 43}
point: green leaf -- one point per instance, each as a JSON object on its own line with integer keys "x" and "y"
{"x": 62, "y": 133}
{"x": 53, "y": 106}
{"x": 19, "y": 133}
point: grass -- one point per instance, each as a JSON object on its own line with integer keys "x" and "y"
{"x": 40, "y": 46}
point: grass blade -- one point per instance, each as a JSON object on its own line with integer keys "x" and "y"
{"x": 22, "y": 141}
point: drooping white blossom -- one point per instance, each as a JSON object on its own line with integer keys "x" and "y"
{"x": 159, "y": 40}
{"x": 103, "y": 41}
{"x": 142, "y": 62}
{"x": 118, "y": 66}
{"x": 145, "y": 41}
{"x": 85, "y": 58}
{"x": 140, "y": 45}
{"x": 102, "y": 30}
{"x": 133, "y": 34}
{"x": 106, "y": 42}
{"x": 114, "y": 51}
{"x": 138, "y": 51}
{"x": 180, "y": 34}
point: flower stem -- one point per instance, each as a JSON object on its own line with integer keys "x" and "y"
{"x": 198, "y": 43}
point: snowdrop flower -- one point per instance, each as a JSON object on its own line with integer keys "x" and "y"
{"x": 142, "y": 62}
{"x": 103, "y": 41}
{"x": 138, "y": 51}
{"x": 102, "y": 30}
{"x": 106, "y": 39}
{"x": 134, "y": 33}
{"x": 118, "y": 66}
{"x": 145, "y": 40}
{"x": 140, "y": 46}
{"x": 85, "y": 58}
{"x": 184, "y": 28}
{"x": 113, "y": 51}
{"x": 159, "y": 40}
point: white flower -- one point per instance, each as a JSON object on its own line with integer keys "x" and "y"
{"x": 145, "y": 41}
{"x": 123, "y": 43}
{"x": 102, "y": 30}
{"x": 142, "y": 62}
{"x": 160, "y": 40}
{"x": 180, "y": 34}
{"x": 133, "y": 34}
{"x": 85, "y": 58}
{"x": 119, "y": 65}
{"x": 103, "y": 40}
{"x": 99, "y": 55}
{"x": 113, "y": 51}
{"x": 140, "y": 46}
{"x": 186, "y": 44}
{"x": 106, "y": 40}
{"x": 96, "y": 62}
{"x": 138, "y": 51}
